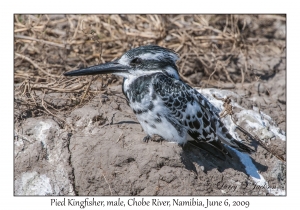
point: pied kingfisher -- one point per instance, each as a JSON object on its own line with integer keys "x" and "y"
{"x": 164, "y": 105}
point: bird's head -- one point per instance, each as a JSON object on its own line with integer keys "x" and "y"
{"x": 136, "y": 62}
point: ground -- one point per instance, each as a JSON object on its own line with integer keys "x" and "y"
{"x": 78, "y": 136}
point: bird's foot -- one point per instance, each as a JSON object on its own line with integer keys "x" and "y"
{"x": 157, "y": 138}
{"x": 146, "y": 138}
{"x": 160, "y": 139}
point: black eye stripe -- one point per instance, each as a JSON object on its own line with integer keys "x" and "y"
{"x": 136, "y": 61}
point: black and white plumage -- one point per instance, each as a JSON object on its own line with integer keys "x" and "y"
{"x": 163, "y": 103}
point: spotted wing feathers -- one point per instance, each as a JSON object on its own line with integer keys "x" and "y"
{"x": 191, "y": 112}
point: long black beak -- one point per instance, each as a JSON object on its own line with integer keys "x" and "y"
{"x": 106, "y": 68}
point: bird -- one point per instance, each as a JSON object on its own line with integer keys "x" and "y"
{"x": 163, "y": 103}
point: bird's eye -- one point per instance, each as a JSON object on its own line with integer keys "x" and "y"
{"x": 136, "y": 61}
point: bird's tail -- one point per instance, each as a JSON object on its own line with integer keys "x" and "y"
{"x": 210, "y": 149}
{"x": 227, "y": 139}
{"x": 241, "y": 147}
{"x": 230, "y": 141}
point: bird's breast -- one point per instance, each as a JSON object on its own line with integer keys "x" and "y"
{"x": 150, "y": 109}
{"x": 137, "y": 89}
